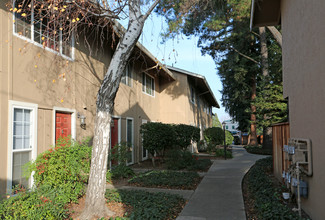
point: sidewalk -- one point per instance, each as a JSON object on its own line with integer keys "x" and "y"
{"x": 219, "y": 195}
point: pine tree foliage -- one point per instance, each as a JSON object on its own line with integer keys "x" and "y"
{"x": 223, "y": 30}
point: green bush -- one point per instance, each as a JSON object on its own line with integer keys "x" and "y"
{"x": 179, "y": 160}
{"x": 236, "y": 140}
{"x": 44, "y": 202}
{"x": 157, "y": 137}
{"x": 60, "y": 175}
{"x": 167, "y": 179}
{"x": 65, "y": 166}
{"x": 147, "y": 205}
{"x": 267, "y": 197}
{"x": 215, "y": 136}
{"x": 120, "y": 154}
{"x": 185, "y": 134}
{"x": 221, "y": 153}
{"x": 121, "y": 171}
{"x": 259, "y": 150}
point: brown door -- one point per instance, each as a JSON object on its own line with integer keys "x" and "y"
{"x": 62, "y": 125}
{"x": 114, "y": 136}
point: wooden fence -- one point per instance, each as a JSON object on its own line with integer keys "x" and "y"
{"x": 281, "y": 135}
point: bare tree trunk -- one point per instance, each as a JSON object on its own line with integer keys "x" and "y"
{"x": 264, "y": 52}
{"x": 253, "y": 139}
{"x": 95, "y": 205}
{"x": 276, "y": 34}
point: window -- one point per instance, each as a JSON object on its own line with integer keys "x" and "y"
{"x": 22, "y": 142}
{"x": 226, "y": 126}
{"x": 148, "y": 84}
{"x": 192, "y": 95}
{"x": 233, "y": 127}
{"x": 127, "y": 76}
{"x": 37, "y": 28}
{"x": 129, "y": 139}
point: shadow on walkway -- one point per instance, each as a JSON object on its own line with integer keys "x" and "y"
{"x": 219, "y": 195}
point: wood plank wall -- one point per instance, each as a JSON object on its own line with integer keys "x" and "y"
{"x": 281, "y": 135}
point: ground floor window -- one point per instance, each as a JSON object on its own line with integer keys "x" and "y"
{"x": 22, "y": 142}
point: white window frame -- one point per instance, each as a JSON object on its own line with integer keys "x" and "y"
{"x": 128, "y": 73}
{"x": 31, "y": 40}
{"x": 144, "y": 83}
{"x": 144, "y": 121}
{"x": 73, "y": 113}
{"x": 33, "y": 108}
{"x": 132, "y": 141}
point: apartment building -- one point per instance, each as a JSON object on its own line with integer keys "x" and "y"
{"x": 48, "y": 89}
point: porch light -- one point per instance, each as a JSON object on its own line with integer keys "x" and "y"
{"x": 82, "y": 120}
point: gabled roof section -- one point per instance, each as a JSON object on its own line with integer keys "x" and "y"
{"x": 151, "y": 60}
{"x": 265, "y": 13}
{"x": 201, "y": 83}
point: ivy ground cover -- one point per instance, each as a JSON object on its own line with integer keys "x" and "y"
{"x": 167, "y": 179}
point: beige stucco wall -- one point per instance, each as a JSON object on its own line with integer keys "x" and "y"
{"x": 30, "y": 74}
{"x": 304, "y": 83}
{"x": 176, "y": 106}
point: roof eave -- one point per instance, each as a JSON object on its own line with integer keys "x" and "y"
{"x": 265, "y": 13}
{"x": 215, "y": 104}
{"x": 119, "y": 29}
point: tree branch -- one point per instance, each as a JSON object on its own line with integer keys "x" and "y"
{"x": 247, "y": 57}
{"x": 276, "y": 34}
{"x": 152, "y": 7}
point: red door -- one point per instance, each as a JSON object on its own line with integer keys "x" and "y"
{"x": 114, "y": 135}
{"x": 62, "y": 125}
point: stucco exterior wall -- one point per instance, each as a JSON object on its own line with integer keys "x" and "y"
{"x": 176, "y": 106}
{"x": 304, "y": 79}
{"x": 31, "y": 74}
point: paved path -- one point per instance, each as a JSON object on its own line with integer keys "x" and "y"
{"x": 219, "y": 195}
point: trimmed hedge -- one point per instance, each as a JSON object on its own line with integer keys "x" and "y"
{"x": 158, "y": 137}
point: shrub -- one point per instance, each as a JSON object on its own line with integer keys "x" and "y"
{"x": 178, "y": 160}
{"x": 167, "y": 179}
{"x": 121, "y": 171}
{"x": 147, "y": 205}
{"x": 65, "y": 166}
{"x": 259, "y": 150}
{"x": 215, "y": 136}
{"x": 44, "y": 202}
{"x": 185, "y": 134}
{"x": 221, "y": 153}
{"x": 236, "y": 140}
{"x": 157, "y": 137}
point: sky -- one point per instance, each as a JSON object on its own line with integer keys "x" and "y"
{"x": 182, "y": 53}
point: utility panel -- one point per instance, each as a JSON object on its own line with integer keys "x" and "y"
{"x": 299, "y": 152}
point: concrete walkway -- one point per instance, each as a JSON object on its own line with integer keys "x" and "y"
{"x": 219, "y": 195}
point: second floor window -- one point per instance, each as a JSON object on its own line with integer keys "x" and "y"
{"x": 127, "y": 76}
{"x": 148, "y": 84}
{"x": 34, "y": 25}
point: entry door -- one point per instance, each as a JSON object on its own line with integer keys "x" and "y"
{"x": 114, "y": 135}
{"x": 62, "y": 124}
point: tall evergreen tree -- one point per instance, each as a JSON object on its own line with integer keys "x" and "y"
{"x": 249, "y": 63}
